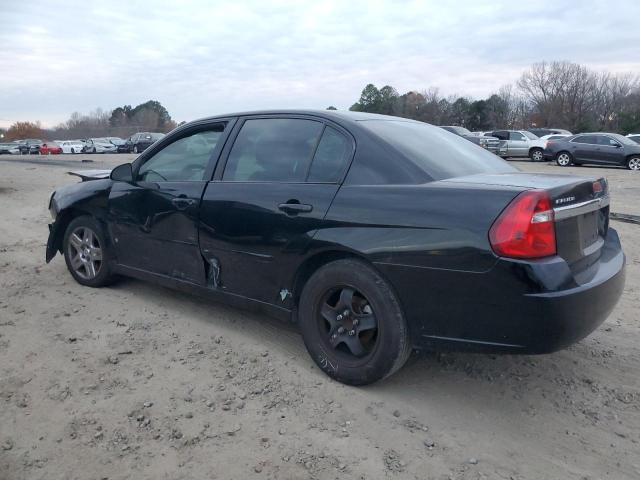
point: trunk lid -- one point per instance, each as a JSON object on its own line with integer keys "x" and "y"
{"x": 581, "y": 209}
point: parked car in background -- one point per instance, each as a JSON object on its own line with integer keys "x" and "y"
{"x": 540, "y": 132}
{"x": 71, "y": 146}
{"x": 489, "y": 143}
{"x": 376, "y": 234}
{"x": 520, "y": 143}
{"x": 635, "y": 137}
{"x": 30, "y": 146}
{"x": 117, "y": 141}
{"x": 594, "y": 148}
{"x": 139, "y": 142}
{"x": 50, "y": 148}
{"x": 99, "y": 145}
{"x": 12, "y": 148}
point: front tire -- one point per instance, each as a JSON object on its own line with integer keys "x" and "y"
{"x": 352, "y": 323}
{"x": 536, "y": 155}
{"x": 564, "y": 159}
{"x": 86, "y": 253}
{"x": 135, "y": 149}
{"x": 633, "y": 163}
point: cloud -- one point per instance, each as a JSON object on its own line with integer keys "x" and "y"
{"x": 209, "y": 57}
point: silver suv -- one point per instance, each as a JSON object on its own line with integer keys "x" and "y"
{"x": 520, "y": 143}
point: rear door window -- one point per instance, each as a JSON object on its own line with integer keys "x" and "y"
{"x": 273, "y": 150}
{"x": 331, "y": 157}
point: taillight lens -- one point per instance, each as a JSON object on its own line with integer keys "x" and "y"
{"x": 525, "y": 229}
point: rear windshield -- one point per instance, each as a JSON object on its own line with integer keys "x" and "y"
{"x": 435, "y": 151}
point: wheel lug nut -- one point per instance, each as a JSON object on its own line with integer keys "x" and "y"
{"x": 341, "y": 330}
{"x": 346, "y": 313}
{"x": 355, "y": 322}
{"x": 339, "y": 318}
{"x": 352, "y": 333}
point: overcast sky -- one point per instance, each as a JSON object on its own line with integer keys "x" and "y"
{"x": 204, "y": 58}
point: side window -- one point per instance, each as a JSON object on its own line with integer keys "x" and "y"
{"x": 330, "y": 158}
{"x": 272, "y": 150}
{"x": 516, "y": 136}
{"x": 608, "y": 141}
{"x": 186, "y": 159}
{"x": 502, "y": 135}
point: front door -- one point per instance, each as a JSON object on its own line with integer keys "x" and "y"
{"x": 611, "y": 151}
{"x": 154, "y": 219}
{"x": 280, "y": 178}
{"x": 518, "y": 145}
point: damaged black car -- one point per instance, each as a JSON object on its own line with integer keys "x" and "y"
{"x": 377, "y": 235}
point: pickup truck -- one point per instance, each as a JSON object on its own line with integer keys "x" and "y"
{"x": 520, "y": 143}
{"x": 490, "y": 143}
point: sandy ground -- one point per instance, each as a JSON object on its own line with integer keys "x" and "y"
{"x": 136, "y": 381}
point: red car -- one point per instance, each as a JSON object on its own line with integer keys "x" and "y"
{"x": 50, "y": 148}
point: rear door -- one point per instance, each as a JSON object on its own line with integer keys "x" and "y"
{"x": 154, "y": 219}
{"x": 280, "y": 177}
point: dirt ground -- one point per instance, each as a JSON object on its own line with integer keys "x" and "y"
{"x": 135, "y": 381}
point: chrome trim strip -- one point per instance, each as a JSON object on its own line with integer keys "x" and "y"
{"x": 580, "y": 208}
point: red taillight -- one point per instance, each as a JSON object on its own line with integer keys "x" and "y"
{"x": 597, "y": 186}
{"x": 525, "y": 229}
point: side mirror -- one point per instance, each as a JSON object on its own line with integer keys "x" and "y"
{"x": 122, "y": 173}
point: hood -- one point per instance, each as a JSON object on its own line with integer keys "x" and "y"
{"x": 87, "y": 175}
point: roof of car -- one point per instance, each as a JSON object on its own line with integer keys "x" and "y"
{"x": 329, "y": 114}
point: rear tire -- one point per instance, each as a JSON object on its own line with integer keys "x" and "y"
{"x": 536, "y": 155}
{"x": 633, "y": 163}
{"x": 564, "y": 159}
{"x": 352, "y": 323}
{"x": 86, "y": 254}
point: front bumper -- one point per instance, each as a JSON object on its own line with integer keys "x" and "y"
{"x": 516, "y": 307}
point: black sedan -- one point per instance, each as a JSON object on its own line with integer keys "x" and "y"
{"x": 139, "y": 142}
{"x": 596, "y": 149}
{"x": 375, "y": 234}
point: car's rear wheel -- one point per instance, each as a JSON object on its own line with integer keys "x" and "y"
{"x": 633, "y": 163}
{"x": 564, "y": 159}
{"x": 536, "y": 155}
{"x": 86, "y": 253}
{"x": 135, "y": 149}
{"x": 352, "y": 323}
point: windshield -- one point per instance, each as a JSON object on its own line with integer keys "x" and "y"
{"x": 530, "y": 135}
{"x": 434, "y": 151}
{"x": 623, "y": 139}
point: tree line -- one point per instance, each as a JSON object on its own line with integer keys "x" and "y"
{"x": 549, "y": 94}
{"x": 122, "y": 122}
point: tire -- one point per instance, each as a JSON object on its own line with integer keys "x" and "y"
{"x": 330, "y": 337}
{"x": 564, "y": 159}
{"x": 135, "y": 149}
{"x": 78, "y": 258}
{"x": 536, "y": 155}
{"x": 633, "y": 163}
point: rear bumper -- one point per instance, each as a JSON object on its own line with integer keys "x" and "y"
{"x": 515, "y": 307}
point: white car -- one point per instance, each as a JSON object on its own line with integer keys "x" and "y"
{"x": 70, "y": 146}
{"x": 99, "y": 145}
{"x": 634, "y": 136}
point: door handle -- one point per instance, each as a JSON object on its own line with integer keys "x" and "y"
{"x": 182, "y": 203}
{"x": 295, "y": 208}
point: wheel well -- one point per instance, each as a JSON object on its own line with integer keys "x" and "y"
{"x": 563, "y": 151}
{"x": 311, "y": 264}
{"x": 62, "y": 222}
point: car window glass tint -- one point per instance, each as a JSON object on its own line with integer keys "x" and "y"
{"x": 273, "y": 150}
{"x": 608, "y": 141}
{"x": 516, "y": 136}
{"x": 186, "y": 159}
{"x": 330, "y": 158}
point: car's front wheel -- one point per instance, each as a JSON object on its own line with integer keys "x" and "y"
{"x": 86, "y": 253}
{"x": 536, "y": 155}
{"x": 563, "y": 159}
{"x": 135, "y": 149}
{"x": 352, "y": 323}
{"x": 633, "y": 163}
